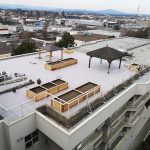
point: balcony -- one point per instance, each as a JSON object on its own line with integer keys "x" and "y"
{"x": 113, "y": 134}
{"x": 119, "y": 138}
{"x": 130, "y": 122}
{"x": 91, "y": 140}
{"x": 138, "y": 102}
{"x": 115, "y": 117}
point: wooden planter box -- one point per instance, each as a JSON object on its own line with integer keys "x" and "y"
{"x": 51, "y": 88}
{"x": 37, "y": 92}
{"x": 54, "y": 65}
{"x": 68, "y": 51}
{"x": 72, "y": 97}
{"x": 89, "y": 89}
{"x": 70, "y": 61}
{"x": 134, "y": 67}
{"x": 75, "y": 96}
{"x": 60, "y": 64}
{"x": 62, "y": 85}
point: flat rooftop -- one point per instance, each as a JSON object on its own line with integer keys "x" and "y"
{"x": 140, "y": 48}
{"x": 119, "y": 43}
{"x": 88, "y": 38}
{"x": 76, "y": 75}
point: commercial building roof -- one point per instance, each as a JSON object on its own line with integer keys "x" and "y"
{"x": 91, "y": 37}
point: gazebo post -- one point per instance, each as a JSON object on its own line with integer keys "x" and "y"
{"x": 90, "y": 62}
{"x": 39, "y": 50}
{"x": 50, "y": 55}
{"x": 61, "y": 54}
{"x": 101, "y": 61}
{"x": 120, "y": 63}
{"x": 107, "y": 53}
{"x": 109, "y": 62}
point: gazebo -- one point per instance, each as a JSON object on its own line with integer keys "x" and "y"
{"x": 107, "y": 53}
{"x": 52, "y": 48}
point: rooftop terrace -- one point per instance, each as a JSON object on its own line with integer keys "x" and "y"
{"x": 16, "y": 105}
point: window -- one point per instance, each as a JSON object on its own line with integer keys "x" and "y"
{"x": 147, "y": 104}
{"x": 127, "y": 114}
{"x": 31, "y": 139}
{"x": 28, "y": 138}
{"x": 28, "y": 144}
{"x": 35, "y": 140}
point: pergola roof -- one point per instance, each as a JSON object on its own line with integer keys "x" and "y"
{"x": 51, "y": 47}
{"x": 107, "y": 53}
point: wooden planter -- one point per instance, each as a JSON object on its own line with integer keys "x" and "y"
{"x": 134, "y": 67}
{"x": 89, "y": 89}
{"x": 72, "y": 97}
{"x": 68, "y": 51}
{"x": 70, "y": 61}
{"x": 40, "y": 92}
{"x": 75, "y": 96}
{"x": 60, "y": 64}
{"x": 51, "y": 88}
{"x": 62, "y": 85}
{"x": 54, "y": 65}
{"x": 37, "y": 92}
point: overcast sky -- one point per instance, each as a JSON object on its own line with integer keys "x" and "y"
{"x": 122, "y": 5}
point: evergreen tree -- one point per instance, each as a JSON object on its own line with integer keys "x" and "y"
{"x": 66, "y": 40}
{"x": 27, "y": 46}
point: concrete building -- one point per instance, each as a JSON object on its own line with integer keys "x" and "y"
{"x": 4, "y": 31}
{"x": 110, "y": 119}
{"x": 75, "y": 22}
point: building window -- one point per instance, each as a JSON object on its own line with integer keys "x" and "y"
{"x": 31, "y": 139}
{"x": 127, "y": 114}
{"x": 147, "y": 104}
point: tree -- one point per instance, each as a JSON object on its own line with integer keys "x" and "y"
{"x": 66, "y": 40}
{"x": 139, "y": 33}
{"x": 116, "y": 27}
{"x": 27, "y": 46}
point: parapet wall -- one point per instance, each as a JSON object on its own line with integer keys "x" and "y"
{"x": 84, "y": 112}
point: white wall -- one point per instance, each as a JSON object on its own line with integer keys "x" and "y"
{"x": 14, "y": 133}
{"x": 133, "y": 133}
{"x": 18, "y": 130}
{"x": 69, "y": 139}
{"x": 2, "y": 137}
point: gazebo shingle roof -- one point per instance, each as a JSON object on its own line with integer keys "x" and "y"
{"x": 51, "y": 47}
{"x": 107, "y": 53}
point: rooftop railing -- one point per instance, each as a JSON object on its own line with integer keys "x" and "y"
{"x": 71, "y": 120}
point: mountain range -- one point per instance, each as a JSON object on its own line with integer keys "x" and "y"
{"x": 84, "y": 11}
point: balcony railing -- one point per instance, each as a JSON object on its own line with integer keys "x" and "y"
{"x": 108, "y": 139}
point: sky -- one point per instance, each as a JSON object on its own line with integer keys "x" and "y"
{"x": 130, "y": 6}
